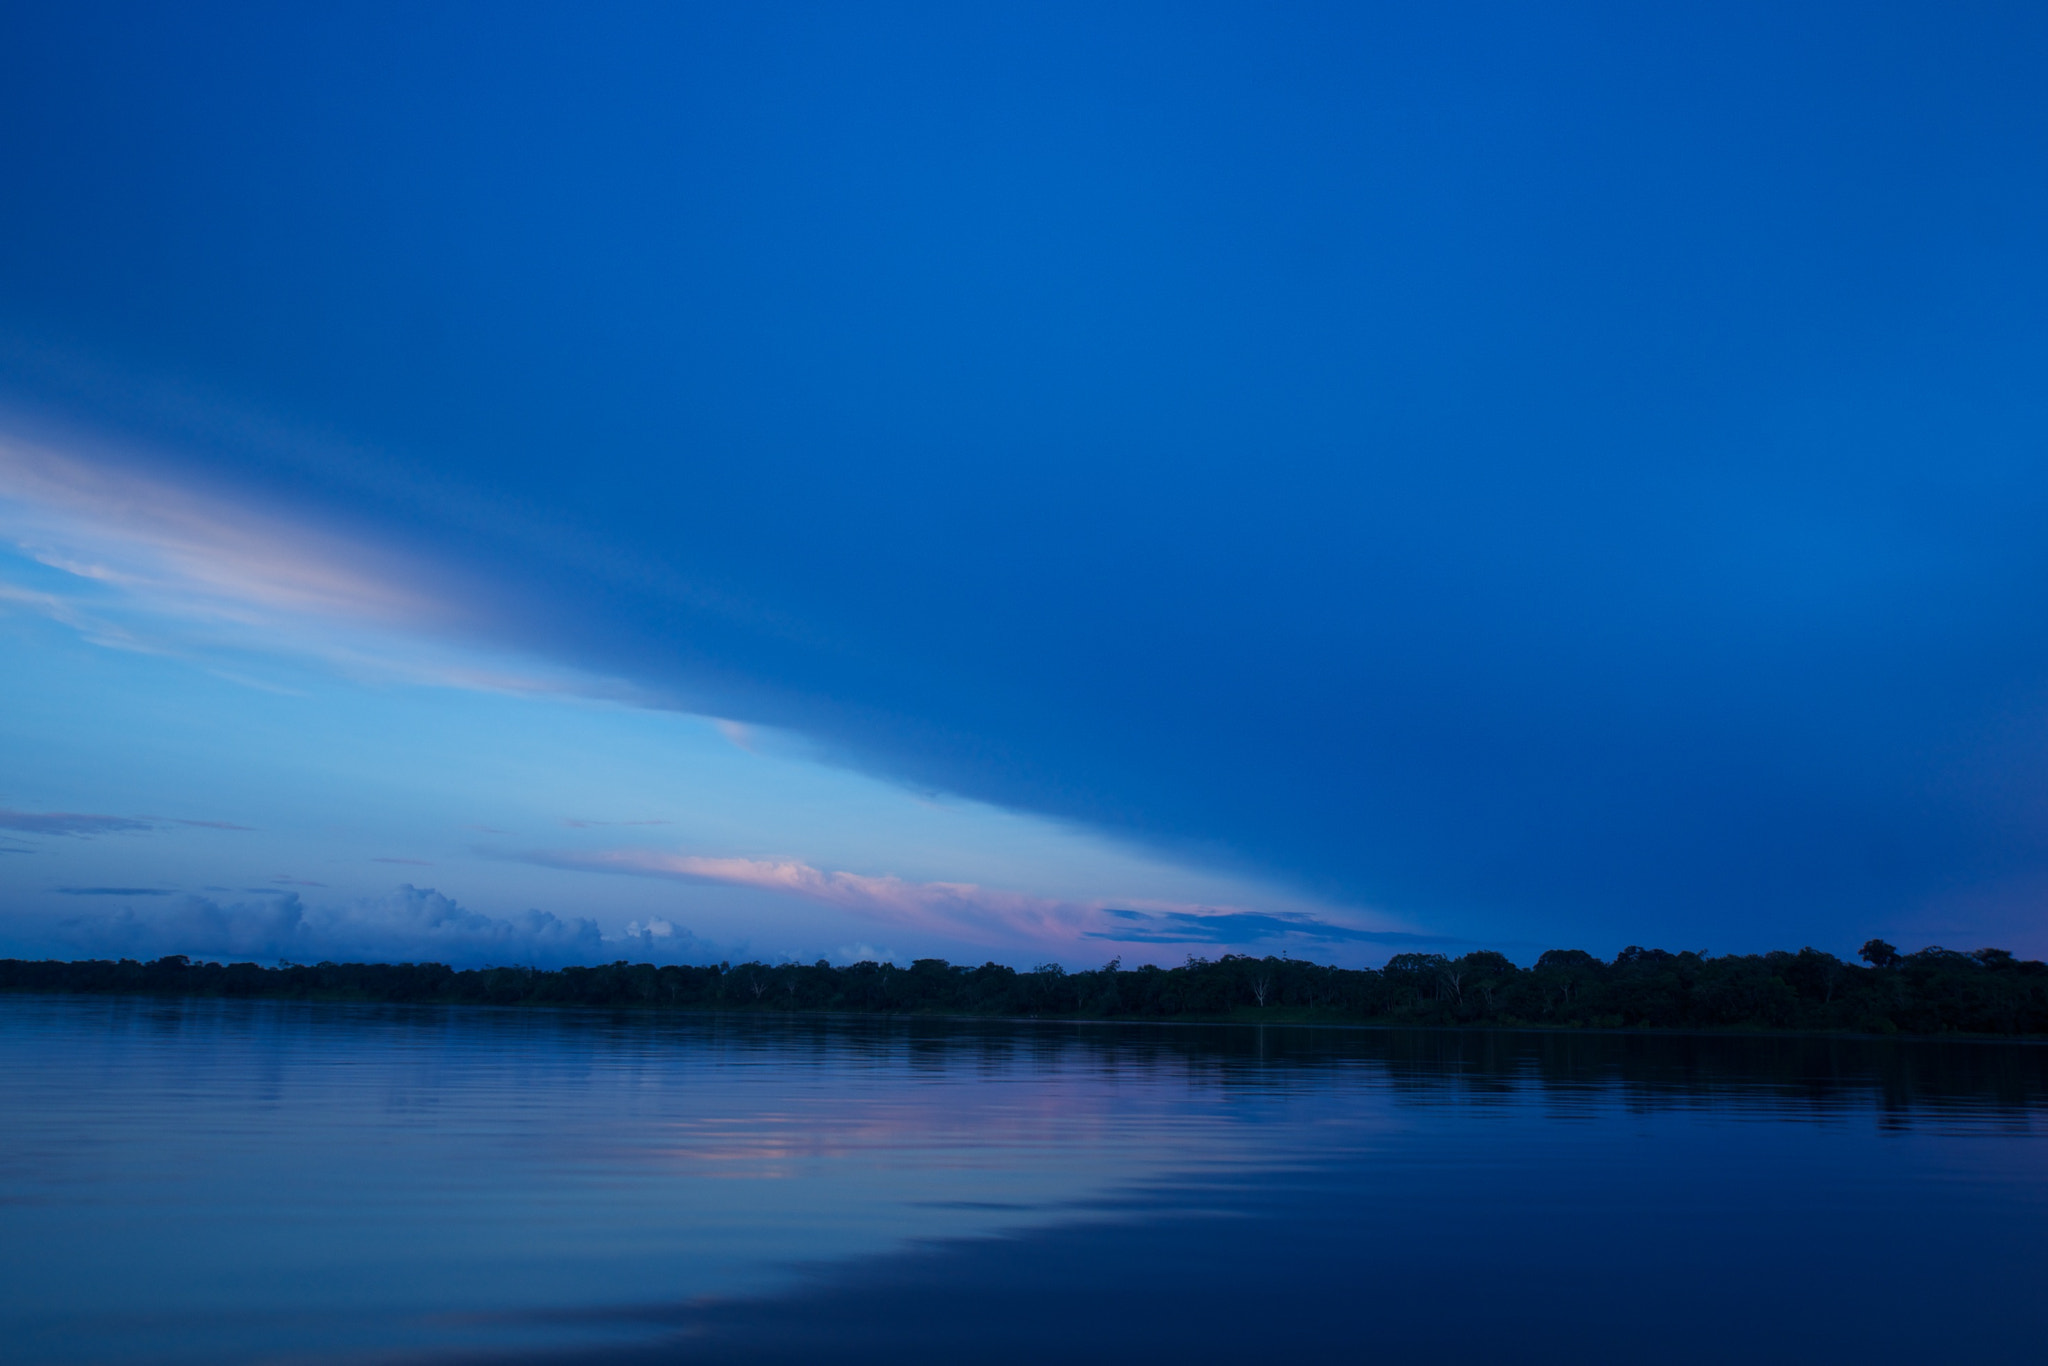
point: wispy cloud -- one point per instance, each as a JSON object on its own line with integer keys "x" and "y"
{"x": 158, "y": 567}
{"x": 116, "y": 891}
{"x": 965, "y": 910}
{"x": 116, "y": 525}
{"x": 1242, "y": 927}
{"x": 950, "y": 908}
{"x": 68, "y": 823}
{"x": 738, "y": 734}
{"x": 83, "y": 823}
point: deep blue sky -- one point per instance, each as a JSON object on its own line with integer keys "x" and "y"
{"x": 1532, "y": 474}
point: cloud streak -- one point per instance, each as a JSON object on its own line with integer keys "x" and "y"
{"x": 155, "y": 566}
{"x": 68, "y": 823}
{"x": 177, "y": 547}
{"x": 1243, "y": 927}
{"x": 965, "y": 910}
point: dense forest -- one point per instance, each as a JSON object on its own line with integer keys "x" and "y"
{"x": 1934, "y": 991}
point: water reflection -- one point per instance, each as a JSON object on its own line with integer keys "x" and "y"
{"x": 210, "y": 1181}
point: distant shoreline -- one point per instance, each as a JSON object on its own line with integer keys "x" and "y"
{"x": 1933, "y": 994}
{"x": 1238, "y": 1021}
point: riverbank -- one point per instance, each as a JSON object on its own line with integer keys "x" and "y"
{"x": 1935, "y": 992}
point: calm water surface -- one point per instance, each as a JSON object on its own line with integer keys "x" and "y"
{"x": 192, "y": 1181}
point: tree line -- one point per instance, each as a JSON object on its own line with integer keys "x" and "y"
{"x": 1933, "y": 991}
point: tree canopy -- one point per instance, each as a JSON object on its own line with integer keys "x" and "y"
{"x": 1933, "y": 991}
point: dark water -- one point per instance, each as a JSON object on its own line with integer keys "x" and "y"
{"x": 219, "y": 1182}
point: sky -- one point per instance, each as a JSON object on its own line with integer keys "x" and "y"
{"x": 1040, "y": 483}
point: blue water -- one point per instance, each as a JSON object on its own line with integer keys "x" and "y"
{"x": 193, "y": 1181}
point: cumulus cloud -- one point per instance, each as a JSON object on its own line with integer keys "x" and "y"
{"x": 662, "y": 941}
{"x": 410, "y": 924}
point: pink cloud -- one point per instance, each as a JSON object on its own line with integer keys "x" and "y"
{"x": 965, "y": 910}
{"x": 114, "y": 524}
{"x": 177, "y": 569}
{"x": 178, "y": 546}
{"x": 958, "y": 909}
